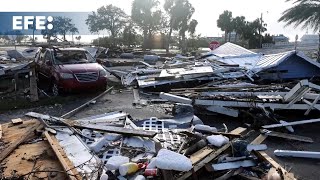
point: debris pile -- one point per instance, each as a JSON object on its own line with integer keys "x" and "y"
{"x": 226, "y": 82}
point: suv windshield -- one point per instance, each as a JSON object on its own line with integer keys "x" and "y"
{"x": 72, "y": 57}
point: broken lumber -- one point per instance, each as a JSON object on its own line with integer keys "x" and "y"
{"x": 16, "y": 121}
{"x": 291, "y": 123}
{"x": 13, "y": 145}
{"x": 287, "y": 136}
{"x": 206, "y": 155}
{"x": 223, "y": 110}
{"x": 62, "y": 157}
{"x": 111, "y": 129}
{"x": 174, "y": 98}
{"x": 118, "y": 130}
{"x": 233, "y": 165}
{"x": 264, "y": 156}
{"x": 0, "y": 131}
{"x": 76, "y": 110}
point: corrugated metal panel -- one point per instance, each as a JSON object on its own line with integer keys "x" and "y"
{"x": 247, "y": 62}
{"x": 272, "y": 60}
{"x": 294, "y": 67}
{"x": 230, "y": 49}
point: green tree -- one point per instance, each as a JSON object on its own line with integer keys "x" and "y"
{"x": 110, "y": 18}
{"x": 225, "y": 23}
{"x": 239, "y": 24}
{"x": 129, "y": 34}
{"x": 305, "y": 13}
{"x": 175, "y": 11}
{"x": 147, "y": 16}
{"x": 73, "y": 31}
{"x": 252, "y": 31}
{"x": 61, "y": 26}
{"x": 192, "y": 26}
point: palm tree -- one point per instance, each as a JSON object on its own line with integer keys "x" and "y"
{"x": 305, "y": 13}
{"x": 239, "y": 23}
{"x": 225, "y": 23}
{"x": 73, "y": 31}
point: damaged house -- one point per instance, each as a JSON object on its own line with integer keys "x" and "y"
{"x": 273, "y": 67}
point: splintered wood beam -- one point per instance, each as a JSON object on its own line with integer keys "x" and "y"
{"x": 110, "y": 129}
{"x": 118, "y": 130}
{"x": 13, "y": 145}
{"x": 16, "y": 121}
{"x": 205, "y": 155}
{"x": 287, "y": 136}
{"x": 76, "y": 110}
{"x": 67, "y": 165}
{"x": 265, "y": 157}
{"x": 0, "y": 131}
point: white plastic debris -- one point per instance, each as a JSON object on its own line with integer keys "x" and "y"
{"x": 200, "y": 127}
{"x": 169, "y": 160}
{"x": 115, "y": 161}
{"x": 152, "y": 164}
{"x": 99, "y": 143}
{"x": 13, "y": 60}
{"x": 217, "y": 140}
{"x": 104, "y": 177}
{"x": 140, "y": 142}
{"x": 139, "y": 177}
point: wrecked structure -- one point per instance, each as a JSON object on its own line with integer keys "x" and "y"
{"x": 116, "y": 145}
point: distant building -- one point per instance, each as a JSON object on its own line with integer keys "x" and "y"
{"x": 280, "y": 39}
{"x": 232, "y": 36}
{"x": 219, "y": 39}
{"x": 310, "y": 39}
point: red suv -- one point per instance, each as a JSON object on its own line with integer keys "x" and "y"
{"x": 70, "y": 69}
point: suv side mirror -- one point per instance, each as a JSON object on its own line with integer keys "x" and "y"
{"x": 48, "y": 63}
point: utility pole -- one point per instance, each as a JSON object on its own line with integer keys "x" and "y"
{"x": 260, "y": 30}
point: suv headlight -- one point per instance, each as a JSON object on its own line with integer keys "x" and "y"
{"x": 66, "y": 76}
{"x": 103, "y": 73}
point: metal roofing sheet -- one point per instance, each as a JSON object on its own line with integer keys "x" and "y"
{"x": 230, "y": 49}
{"x": 272, "y": 60}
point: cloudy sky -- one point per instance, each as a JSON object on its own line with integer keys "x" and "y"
{"x": 207, "y": 11}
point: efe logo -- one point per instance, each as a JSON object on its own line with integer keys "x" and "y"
{"x": 23, "y": 22}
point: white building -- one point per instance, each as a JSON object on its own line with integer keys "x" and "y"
{"x": 310, "y": 39}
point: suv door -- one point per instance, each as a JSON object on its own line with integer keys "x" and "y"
{"x": 48, "y": 64}
{"x": 45, "y": 64}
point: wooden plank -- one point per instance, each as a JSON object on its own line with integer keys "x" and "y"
{"x": 259, "y": 139}
{"x": 287, "y": 136}
{"x": 291, "y": 123}
{"x": 249, "y": 104}
{"x": 208, "y": 156}
{"x": 63, "y": 158}
{"x": 118, "y": 130}
{"x": 197, "y": 156}
{"x": 16, "y": 121}
{"x": 312, "y": 105}
{"x": 224, "y": 111}
{"x": 76, "y": 110}
{"x": 27, "y": 156}
{"x": 18, "y": 141}
{"x": 0, "y": 131}
{"x": 264, "y": 156}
